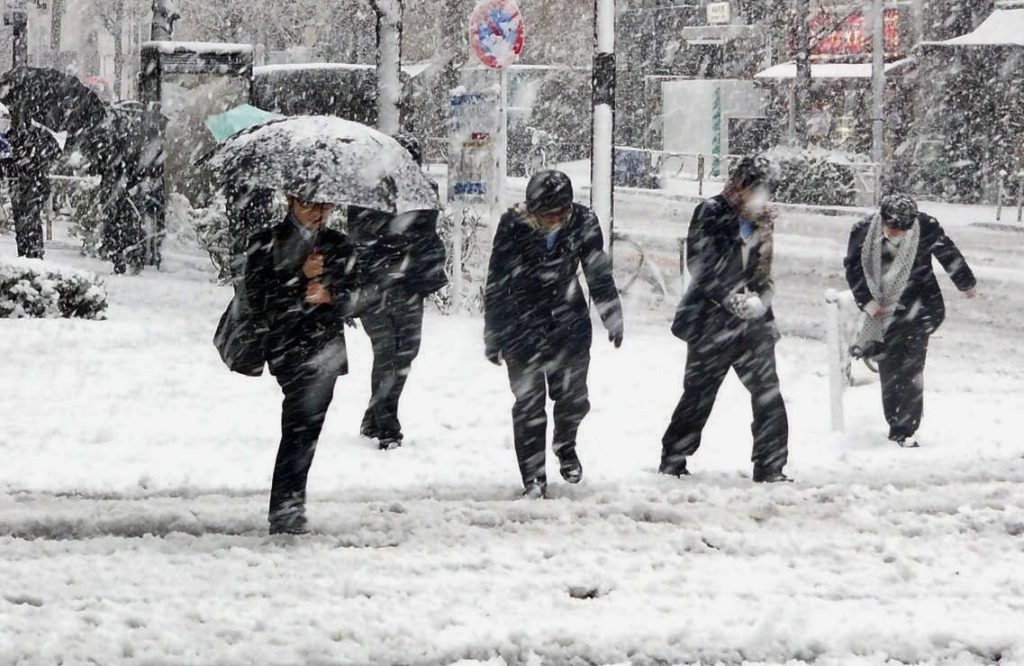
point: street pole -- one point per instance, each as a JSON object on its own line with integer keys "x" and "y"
{"x": 19, "y": 38}
{"x": 878, "y": 95}
{"x": 802, "y": 83}
{"x": 602, "y": 161}
{"x": 164, "y": 16}
{"x": 501, "y": 148}
{"x": 389, "y": 65}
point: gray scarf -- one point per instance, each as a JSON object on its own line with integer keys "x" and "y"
{"x": 887, "y": 289}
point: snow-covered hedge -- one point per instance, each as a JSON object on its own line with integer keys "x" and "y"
{"x": 815, "y": 177}
{"x": 33, "y": 288}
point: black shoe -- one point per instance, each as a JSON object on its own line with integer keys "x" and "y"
{"x": 906, "y": 442}
{"x": 289, "y": 517}
{"x": 535, "y": 490}
{"x": 288, "y": 522}
{"x": 771, "y": 477}
{"x": 389, "y": 444}
{"x": 677, "y": 470}
{"x": 570, "y": 467}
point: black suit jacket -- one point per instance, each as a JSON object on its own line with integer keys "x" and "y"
{"x": 714, "y": 259}
{"x": 921, "y": 308}
{"x": 533, "y": 303}
{"x": 275, "y": 290}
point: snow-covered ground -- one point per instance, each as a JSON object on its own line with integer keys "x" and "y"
{"x": 135, "y": 473}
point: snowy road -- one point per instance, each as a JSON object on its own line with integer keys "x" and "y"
{"x": 135, "y": 469}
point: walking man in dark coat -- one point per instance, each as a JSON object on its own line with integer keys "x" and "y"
{"x": 537, "y": 319}
{"x": 405, "y": 253}
{"x": 889, "y": 269}
{"x": 301, "y": 282}
{"x": 123, "y": 236}
{"x": 726, "y": 319}
{"x": 34, "y": 151}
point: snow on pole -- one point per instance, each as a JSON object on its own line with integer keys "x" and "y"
{"x": 389, "y": 65}
{"x": 836, "y": 360}
{"x": 603, "y": 135}
{"x": 878, "y": 94}
{"x": 501, "y": 161}
{"x": 164, "y": 16}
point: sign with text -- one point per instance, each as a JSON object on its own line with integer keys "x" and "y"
{"x": 472, "y": 134}
{"x": 851, "y": 35}
{"x": 719, "y": 13}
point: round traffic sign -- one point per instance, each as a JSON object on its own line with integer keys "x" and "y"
{"x": 497, "y": 32}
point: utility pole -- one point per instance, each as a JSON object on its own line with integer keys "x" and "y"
{"x": 164, "y": 16}
{"x": 878, "y": 95}
{"x": 802, "y": 84}
{"x": 17, "y": 14}
{"x": 602, "y": 156}
{"x": 389, "y": 65}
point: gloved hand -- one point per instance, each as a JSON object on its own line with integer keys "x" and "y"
{"x": 494, "y": 356}
{"x": 755, "y": 307}
{"x": 616, "y": 330}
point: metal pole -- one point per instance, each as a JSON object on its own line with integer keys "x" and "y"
{"x": 19, "y": 39}
{"x": 836, "y": 361}
{"x": 1020, "y": 197}
{"x": 802, "y": 83}
{"x": 389, "y": 65}
{"x": 501, "y": 148}
{"x": 602, "y": 161}
{"x": 878, "y": 96}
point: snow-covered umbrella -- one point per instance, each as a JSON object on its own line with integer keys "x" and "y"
{"x": 52, "y": 98}
{"x": 325, "y": 159}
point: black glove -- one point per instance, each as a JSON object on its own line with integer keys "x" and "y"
{"x": 616, "y": 330}
{"x": 615, "y": 337}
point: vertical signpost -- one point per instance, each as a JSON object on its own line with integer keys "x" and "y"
{"x": 878, "y": 94}
{"x": 16, "y": 16}
{"x": 497, "y": 34}
{"x": 478, "y": 129}
{"x": 602, "y": 153}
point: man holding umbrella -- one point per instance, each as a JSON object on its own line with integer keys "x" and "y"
{"x": 33, "y": 152}
{"x": 301, "y": 280}
{"x": 301, "y": 283}
{"x": 405, "y": 251}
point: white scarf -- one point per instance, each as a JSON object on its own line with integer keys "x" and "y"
{"x": 887, "y": 289}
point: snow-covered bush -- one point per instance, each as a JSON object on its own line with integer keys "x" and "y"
{"x": 211, "y": 228}
{"x": 32, "y": 288}
{"x": 87, "y": 219}
{"x": 474, "y": 260}
{"x": 817, "y": 178}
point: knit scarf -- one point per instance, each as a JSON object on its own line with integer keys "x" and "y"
{"x": 887, "y": 290}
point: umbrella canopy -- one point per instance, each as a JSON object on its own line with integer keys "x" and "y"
{"x": 242, "y": 117}
{"x": 326, "y": 159}
{"x": 52, "y": 98}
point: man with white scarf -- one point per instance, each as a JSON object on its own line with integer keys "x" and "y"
{"x": 889, "y": 269}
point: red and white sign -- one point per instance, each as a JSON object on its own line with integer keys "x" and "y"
{"x": 497, "y": 33}
{"x": 852, "y": 35}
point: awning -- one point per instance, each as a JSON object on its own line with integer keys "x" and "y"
{"x": 717, "y": 34}
{"x": 1005, "y": 26}
{"x": 831, "y": 70}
